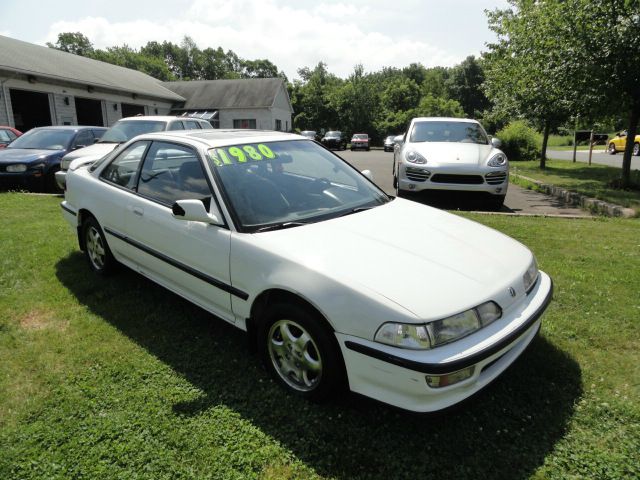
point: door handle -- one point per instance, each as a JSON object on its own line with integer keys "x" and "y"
{"x": 138, "y": 211}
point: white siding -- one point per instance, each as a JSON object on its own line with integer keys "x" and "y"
{"x": 61, "y": 111}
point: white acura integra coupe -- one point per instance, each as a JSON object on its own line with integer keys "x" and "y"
{"x": 337, "y": 283}
{"x": 450, "y": 154}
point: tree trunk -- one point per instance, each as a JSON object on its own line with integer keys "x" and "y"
{"x": 545, "y": 140}
{"x": 628, "y": 149}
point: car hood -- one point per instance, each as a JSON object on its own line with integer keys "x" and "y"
{"x": 26, "y": 155}
{"x": 88, "y": 154}
{"x": 438, "y": 153}
{"x": 428, "y": 261}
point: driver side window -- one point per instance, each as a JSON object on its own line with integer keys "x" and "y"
{"x": 122, "y": 170}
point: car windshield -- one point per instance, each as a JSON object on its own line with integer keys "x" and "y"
{"x": 464, "y": 132}
{"x": 46, "y": 139}
{"x": 124, "y": 131}
{"x": 390, "y": 138}
{"x": 360, "y": 136}
{"x": 308, "y": 133}
{"x": 333, "y": 134}
{"x": 287, "y": 183}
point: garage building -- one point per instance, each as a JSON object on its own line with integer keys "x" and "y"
{"x": 42, "y": 86}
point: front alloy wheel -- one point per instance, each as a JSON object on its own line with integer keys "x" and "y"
{"x": 294, "y": 355}
{"x": 300, "y": 350}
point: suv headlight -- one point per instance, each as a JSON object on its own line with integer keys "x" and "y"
{"x": 530, "y": 276}
{"x": 498, "y": 160}
{"x": 414, "y": 157}
{"x": 17, "y": 168}
{"x": 438, "y": 332}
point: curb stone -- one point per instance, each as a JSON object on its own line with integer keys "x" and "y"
{"x": 573, "y": 198}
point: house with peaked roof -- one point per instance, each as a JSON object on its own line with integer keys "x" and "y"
{"x": 261, "y": 103}
{"x": 43, "y": 86}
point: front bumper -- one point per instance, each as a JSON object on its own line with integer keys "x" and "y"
{"x": 31, "y": 179}
{"x": 356, "y": 145}
{"x": 61, "y": 179}
{"x": 398, "y": 376}
{"x": 415, "y": 178}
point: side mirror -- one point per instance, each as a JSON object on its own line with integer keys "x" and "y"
{"x": 398, "y": 139}
{"x": 496, "y": 142}
{"x": 77, "y": 147}
{"x": 194, "y": 210}
{"x": 368, "y": 174}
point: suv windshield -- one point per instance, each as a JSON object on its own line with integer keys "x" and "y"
{"x": 287, "y": 183}
{"x": 47, "y": 139}
{"x": 361, "y": 136}
{"x": 333, "y": 134}
{"x": 464, "y": 132}
{"x": 123, "y": 131}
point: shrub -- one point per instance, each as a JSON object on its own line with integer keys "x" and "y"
{"x": 519, "y": 141}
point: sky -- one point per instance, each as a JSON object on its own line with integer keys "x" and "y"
{"x": 292, "y": 34}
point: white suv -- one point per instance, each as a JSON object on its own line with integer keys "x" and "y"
{"x": 450, "y": 154}
{"x": 122, "y": 131}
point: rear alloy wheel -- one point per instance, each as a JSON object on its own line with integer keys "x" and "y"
{"x": 636, "y": 149}
{"x": 299, "y": 352}
{"x": 96, "y": 249}
{"x": 612, "y": 149}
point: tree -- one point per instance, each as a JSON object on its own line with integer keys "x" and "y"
{"x": 464, "y": 84}
{"x": 524, "y": 76}
{"x": 73, "y": 42}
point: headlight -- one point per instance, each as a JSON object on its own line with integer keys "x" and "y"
{"x": 17, "y": 168}
{"x": 498, "y": 160}
{"x": 439, "y": 332}
{"x": 64, "y": 164}
{"x": 414, "y": 157}
{"x": 530, "y": 276}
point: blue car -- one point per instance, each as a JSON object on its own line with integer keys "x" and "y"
{"x": 31, "y": 160}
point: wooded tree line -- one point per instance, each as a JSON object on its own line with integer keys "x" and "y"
{"x": 553, "y": 64}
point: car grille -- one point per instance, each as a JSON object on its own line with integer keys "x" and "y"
{"x": 461, "y": 179}
{"x": 495, "y": 178}
{"x": 417, "y": 174}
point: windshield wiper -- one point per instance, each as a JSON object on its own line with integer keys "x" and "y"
{"x": 356, "y": 210}
{"x": 280, "y": 226}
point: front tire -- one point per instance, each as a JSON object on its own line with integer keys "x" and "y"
{"x": 96, "y": 249}
{"x": 299, "y": 352}
{"x": 611, "y": 150}
{"x": 495, "y": 202}
{"x": 636, "y": 149}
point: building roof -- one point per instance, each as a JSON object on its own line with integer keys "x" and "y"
{"x": 29, "y": 59}
{"x": 217, "y": 94}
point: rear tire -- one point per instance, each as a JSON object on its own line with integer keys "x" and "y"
{"x": 299, "y": 352}
{"x": 636, "y": 149}
{"x": 96, "y": 249}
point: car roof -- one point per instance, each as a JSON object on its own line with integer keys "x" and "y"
{"x": 165, "y": 118}
{"x": 216, "y": 137}
{"x": 69, "y": 127}
{"x": 444, "y": 119}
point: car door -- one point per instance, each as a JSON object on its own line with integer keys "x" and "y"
{"x": 620, "y": 141}
{"x": 191, "y": 258}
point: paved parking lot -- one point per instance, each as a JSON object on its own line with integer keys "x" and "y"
{"x": 519, "y": 200}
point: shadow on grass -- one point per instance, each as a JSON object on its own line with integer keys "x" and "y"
{"x": 506, "y": 431}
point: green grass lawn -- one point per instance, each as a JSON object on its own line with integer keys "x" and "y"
{"x": 591, "y": 180}
{"x": 118, "y": 378}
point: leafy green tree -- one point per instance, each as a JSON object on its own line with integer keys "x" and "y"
{"x": 311, "y": 99}
{"x": 464, "y": 84}
{"x": 524, "y": 68}
{"x": 431, "y": 106}
{"x": 73, "y": 42}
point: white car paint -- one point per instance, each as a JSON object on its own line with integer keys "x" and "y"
{"x": 398, "y": 262}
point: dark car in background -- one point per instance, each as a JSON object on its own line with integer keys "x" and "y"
{"x": 8, "y": 135}
{"x": 389, "y": 144}
{"x": 360, "y": 141}
{"x": 31, "y": 160}
{"x": 334, "y": 139}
